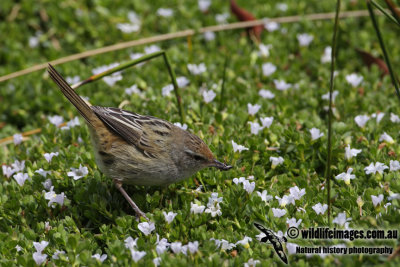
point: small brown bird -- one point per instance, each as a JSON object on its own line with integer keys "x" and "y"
{"x": 139, "y": 150}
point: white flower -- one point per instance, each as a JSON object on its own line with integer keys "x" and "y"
{"x": 394, "y": 165}
{"x": 282, "y": 85}
{"x": 77, "y": 174}
{"x": 130, "y": 243}
{"x": 244, "y": 242}
{"x": 18, "y": 166}
{"x": 278, "y": 212}
{"x": 133, "y": 26}
{"x": 394, "y": 118}
{"x": 271, "y": 26}
{"x": 249, "y": 187}
{"x": 40, "y": 246}
{"x": 255, "y": 127}
{"x": 146, "y": 227}
{"x": 286, "y": 199}
{"x": 18, "y": 248}
{"x": 17, "y": 139}
{"x": 378, "y": 167}
{"x": 264, "y": 51}
{"x": 182, "y": 81}
{"x": 34, "y": 41}
{"x": 297, "y": 193}
{"x": 376, "y": 200}
{"x": 354, "y": 79}
{"x": 268, "y": 69}
{"x": 151, "y": 49}
{"x": 315, "y": 134}
{"x": 73, "y": 80}
{"x": 214, "y": 199}
{"x": 361, "y": 120}
{"x": 342, "y": 220}
{"x": 157, "y": 261}
{"x": 253, "y": 109}
{"x": 47, "y": 184}
{"x": 291, "y": 248}
{"x": 204, "y": 5}
{"x": 196, "y": 209}
{"x": 236, "y": 147}
{"x": 393, "y": 196}
{"x": 169, "y": 217}
{"x": 275, "y": 161}
{"x": 239, "y": 181}
{"x": 193, "y": 247}
{"x": 183, "y": 127}
{"x": 133, "y": 90}
{"x": 387, "y": 138}
{"x": 224, "y": 244}
{"x": 387, "y": 205}
{"x": 209, "y": 36}
{"x": 379, "y": 116}
{"x": 213, "y": 205}
{"x": 110, "y": 79}
{"x": 100, "y": 258}
{"x": 197, "y": 69}
{"x": 266, "y": 94}
{"x": 208, "y": 96}
{"x": 346, "y": 177}
{"x": 319, "y": 208}
{"x": 293, "y": 223}
{"x": 20, "y": 178}
{"x": 334, "y": 95}
{"x": 214, "y": 210}
{"x": 222, "y": 18}
{"x": 165, "y": 12}
{"x": 166, "y": 90}
{"x": 128, "y": 27}
{"x": 39, "y": 258}
{"x": 351, "y": 152}
{"x": 52, "y": 197}
{"x": 57, "y": 253}
{"x": 137, "y": 255}
{"x": 304, "y": 39}
{"x": 8, "y": 171}
{"x": 56, "y": 120}
{"x": 267, "y": 121}
{"x": 49, "y": 156}
{"x": 282, "y": 7}
{"x": 264, "y": 196}
{"x": 72, "y": 123}
{"x": 327, "y": 56}
{"x": 134, "y": 56}
{"x": 162, "y": 245}
{"x": 176, "y": 247}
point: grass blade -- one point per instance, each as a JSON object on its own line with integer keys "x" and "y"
{"x": 382, "y": 44}
{"x": 328, "y": 162}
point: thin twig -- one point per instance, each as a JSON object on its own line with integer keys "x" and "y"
{"x": 382, "y": 44}
{"x": 328, "y": 162}
{"x": 185, "y": 33}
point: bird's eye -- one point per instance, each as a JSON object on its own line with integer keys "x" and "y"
{"x": 197, "y": 157}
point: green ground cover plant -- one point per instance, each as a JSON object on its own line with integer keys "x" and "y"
{"x": 273, "y": 104}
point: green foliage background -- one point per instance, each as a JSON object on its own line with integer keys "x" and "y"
{"x": 96, "y": 218}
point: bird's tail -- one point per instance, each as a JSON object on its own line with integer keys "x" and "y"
{"x": 81, "y": 105}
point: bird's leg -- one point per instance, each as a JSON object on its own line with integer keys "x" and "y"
{"x": 138, "y": 212}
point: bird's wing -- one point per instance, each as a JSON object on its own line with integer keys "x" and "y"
{"x": 145, "y": 132}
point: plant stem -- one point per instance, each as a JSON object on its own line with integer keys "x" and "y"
{"x": 328, "y": 162}
{"x": 382, "y": 44}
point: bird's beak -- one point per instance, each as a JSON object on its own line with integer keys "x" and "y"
{"x": 220, "y": 165}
